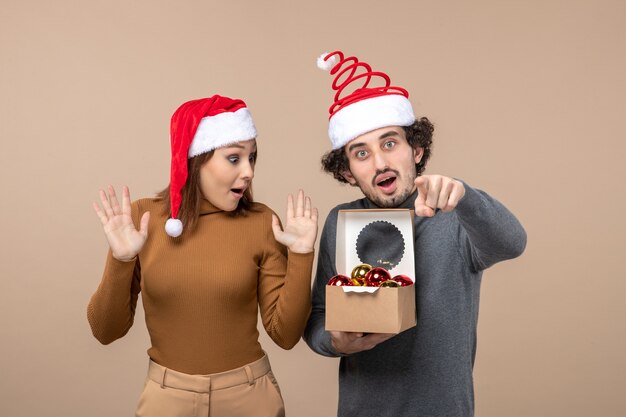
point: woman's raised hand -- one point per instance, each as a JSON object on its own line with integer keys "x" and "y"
{"x": 300, "y": 229}
{"x": 125, "y": 241}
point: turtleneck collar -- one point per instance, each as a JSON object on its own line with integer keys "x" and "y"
{"x": 206, "y": 207}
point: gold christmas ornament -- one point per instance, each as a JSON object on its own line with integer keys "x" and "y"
{"x": 390, "y": 283}
{"x": 359, "y": 272}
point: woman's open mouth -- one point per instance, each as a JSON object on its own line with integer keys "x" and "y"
{"x": 238, "y": 192}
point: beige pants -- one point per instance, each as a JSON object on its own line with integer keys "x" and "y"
{"x": 250, "y": 390}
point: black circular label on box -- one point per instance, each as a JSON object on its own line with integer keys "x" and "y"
{"x": 380, "y": 244}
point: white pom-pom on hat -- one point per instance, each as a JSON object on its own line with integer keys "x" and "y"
{"x": 173, "y": 227}
{"x": 327, "y": 64}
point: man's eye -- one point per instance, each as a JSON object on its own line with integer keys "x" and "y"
{"x": 389, "y": 145}
{"x": 361, "y": 154}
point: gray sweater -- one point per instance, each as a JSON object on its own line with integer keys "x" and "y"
{"x": 425, "y": 370}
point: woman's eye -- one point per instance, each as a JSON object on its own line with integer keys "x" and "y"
{"x": 233, "y": 159}
{"x": 253, "y": 158}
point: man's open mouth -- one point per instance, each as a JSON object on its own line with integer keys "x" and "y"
{"x": 386, "y": 182}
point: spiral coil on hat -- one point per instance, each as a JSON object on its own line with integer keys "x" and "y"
{"x": 362, "y": 92}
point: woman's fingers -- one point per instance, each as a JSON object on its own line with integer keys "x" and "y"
{"x": 115, "y": 205}
{"x": 307, "y": 207}
{"x": 290, "y": 209}
{"x": 105, "y": 204}
{"x": 143, "y": 224}
{"x": 278, "y": 231}
{"x": 103, "y": 218}
{"x": 125, "y": 200}
{"x": 111, "y": 207}
{"x": 303, "y": 206}
{"x": 300, "y": 204}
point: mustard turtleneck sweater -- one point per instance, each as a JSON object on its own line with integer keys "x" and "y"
{"x": 202, "y": 292}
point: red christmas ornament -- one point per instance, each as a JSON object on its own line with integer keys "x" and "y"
{"x": 377, "y": 275}
{"x": 340, "y": 281}
{"x": 403, "y": 280}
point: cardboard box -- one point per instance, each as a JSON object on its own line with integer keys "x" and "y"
{"x": 380, "y": 238}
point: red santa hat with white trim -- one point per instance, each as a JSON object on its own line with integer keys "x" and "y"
{"x": 197, "y": 127}
{"x": 365, "y": 108}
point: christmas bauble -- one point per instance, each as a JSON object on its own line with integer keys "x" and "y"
{"x": 359, "y": 272}
{"x": 403, "y": 280}
{"x": 340, "y": 281}
{"x": 377, "y": 275}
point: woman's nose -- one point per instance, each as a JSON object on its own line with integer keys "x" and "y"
{"x": 247, "y": 170}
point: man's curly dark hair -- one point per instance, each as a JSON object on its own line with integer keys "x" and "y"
{"x": 418, "y": 135}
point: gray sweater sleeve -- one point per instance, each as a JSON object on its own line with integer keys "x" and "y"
{"x": 492, "y": 231}
{"x": 315, "y": 334}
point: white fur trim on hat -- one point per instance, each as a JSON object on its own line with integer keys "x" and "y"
{"x": 222, "y": 129}
{"x": 369, "y": 114}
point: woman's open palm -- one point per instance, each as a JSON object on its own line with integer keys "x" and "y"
{"x": 300, "y": 229}
{"x": 124, "y": 239}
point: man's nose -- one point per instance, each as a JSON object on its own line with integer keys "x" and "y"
{"x": 380, "y": 162}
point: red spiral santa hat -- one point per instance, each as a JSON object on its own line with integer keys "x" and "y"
{"x": 197, "y": 127}
{"x": 362, "y": 108}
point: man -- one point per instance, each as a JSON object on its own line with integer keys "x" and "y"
{"x": 380, "y": 147}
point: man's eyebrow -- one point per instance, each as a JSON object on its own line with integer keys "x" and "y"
{"x": 387, "y": 134}
{"x": 355, "y": 145}
{"x": 383, "y": 136}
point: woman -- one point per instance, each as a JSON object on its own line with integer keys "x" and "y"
{"x": 202, "y": 284}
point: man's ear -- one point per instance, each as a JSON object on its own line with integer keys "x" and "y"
{"x": 418, "y": 153}
{"x": 347, "y": 175}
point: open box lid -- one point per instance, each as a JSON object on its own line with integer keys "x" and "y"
{"x": 379, "y": 237}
